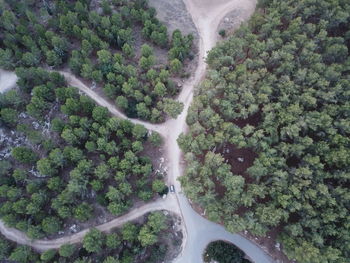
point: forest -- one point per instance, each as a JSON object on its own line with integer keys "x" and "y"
{"x": 119, "y": 45}
{"x": 69, "y": 159}
{"x": 268, "y": 147}
{"x": 134, "y": 242}
{"x": 223, "y": 252}
{"x": 66, "y": 164}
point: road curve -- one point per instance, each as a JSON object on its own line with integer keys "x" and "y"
{"x": 43, "y": 245}
{"x": 201, "y": 232}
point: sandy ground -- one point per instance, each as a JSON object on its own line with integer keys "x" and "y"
{"x": 7, "y": 80}
{"x": 175, "y": 16}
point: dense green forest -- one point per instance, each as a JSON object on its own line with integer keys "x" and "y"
{"x": 269, "y": 140}
{"x": 68, "y": 157}
{"x": 134, "y": 242}
{"x": 117, "y": 44}
{"x": 223, "y": 252}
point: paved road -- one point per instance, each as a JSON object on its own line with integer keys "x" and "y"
{"x": 200, "y": 232}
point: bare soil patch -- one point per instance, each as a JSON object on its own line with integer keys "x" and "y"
{"x": 252, "y": 120}
{"x": 231, "y": 21}
{"x": 240, "y": 159}
{"x": 175, "y": 16}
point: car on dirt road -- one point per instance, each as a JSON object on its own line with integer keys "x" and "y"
{"x": 172, "y": 189}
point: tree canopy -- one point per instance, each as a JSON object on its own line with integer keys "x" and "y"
{"x": 269, "y": 146}
{"x": 106, "y": 48}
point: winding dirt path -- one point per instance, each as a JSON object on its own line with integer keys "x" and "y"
{"x": 43, "y": 245}
{"x": 75, "y": 82}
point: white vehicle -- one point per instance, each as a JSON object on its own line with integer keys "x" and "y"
{"x": 172, "y": 189}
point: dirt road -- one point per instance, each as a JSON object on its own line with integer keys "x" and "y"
{"x": 100, "y": 100}
{"x": 43, "y": 245}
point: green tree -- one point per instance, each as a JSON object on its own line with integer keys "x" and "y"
{"x": 22, "y": 254}
{"x": 112, "y": 240}
{"x": 147, "y": 63}
{"x": 172, "y": 108}
{"x": 46, "y": 167}
{"x": 83, "y": 212}
{"x": 5, "y": 249}
{"x": 146, "y": 51}
{"x": 139, "y": 131}
{"x": 175, "y": 66}
{"x": 155, "y": 139}
{"x": 53, "y": 59}
{"x": 128, "y": 50}
{"x": 122, "y": 102}
{"x": 93, "y": 240}
{"x": 48, "y": 255}
{"x": 158, "y": 186}
{"x": 24, "y": 155}
{"x": 160, "y": 89}
{"x": 157, "y": 221}
{"x": 9, "y": 116}
{"x": 111, "y": 259}
{"x": 51, "y": 225}
{"x": 147, "y": 237}
{"x": 100, "y": 114}
{"x": 129, "y": 232}
{"x": 66, "y": 250}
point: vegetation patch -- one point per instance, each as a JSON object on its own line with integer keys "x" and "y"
{"x": 118, "y": 44}
{"x": 223, "y": 252}
{"x": 65, "y": 159}
{"x": 147, "y": 241}
{"x": 277, "y": 92}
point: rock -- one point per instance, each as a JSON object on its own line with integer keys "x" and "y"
{"x": 23, "y": 115}
{"x": 73, "y": 228}
{"x": 36, "y": 125}
{"x": 278, "y": 246}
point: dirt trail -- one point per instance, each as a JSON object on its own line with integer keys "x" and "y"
{"x": 206, "y": 15}
{"x": 43, "y": 245}
{"x": 75, "y": 82}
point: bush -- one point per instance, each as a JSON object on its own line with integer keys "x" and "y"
{"x": 222, "y": 32}
{"x": 223, "y": 252}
